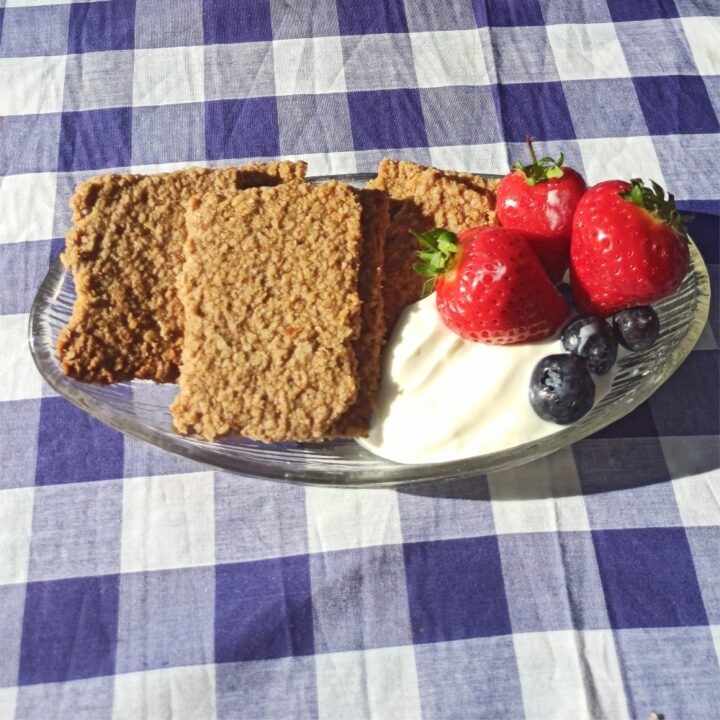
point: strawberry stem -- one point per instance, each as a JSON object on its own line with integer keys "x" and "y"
{"x": 653, "y": 200}
{"x": 540, "y": 170}
{"x": 437, "y": 254}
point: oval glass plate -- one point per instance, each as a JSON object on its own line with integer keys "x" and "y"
{"x": 140, "y": 408}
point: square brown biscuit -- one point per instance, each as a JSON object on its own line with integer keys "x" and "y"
{"x": 270, "y": 288}
{"x": 355, "y": 421}
{"x": 125, "y": 251}
{"x": 423, "y": 198}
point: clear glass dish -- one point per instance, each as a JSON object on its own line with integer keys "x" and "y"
{"x": 140, "y": 408}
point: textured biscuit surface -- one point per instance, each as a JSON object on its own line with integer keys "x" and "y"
{"x": 125, "y": 251}
{"x": 272, "y": 310}
{"x": 422, "y": 198}
{"x": 355, "y": 421}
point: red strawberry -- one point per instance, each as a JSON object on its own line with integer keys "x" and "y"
{"x": 629, "y": 247}
{"x": 490, "y": 286}
{"x": 540, "y": 199}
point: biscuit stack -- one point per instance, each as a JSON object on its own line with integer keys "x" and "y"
{"x": 265, "y": 297}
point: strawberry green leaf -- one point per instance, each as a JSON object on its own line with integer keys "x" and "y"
{"x": 541, "y": 170}
{"x": 654, "y": 200}
{"x": 439, "y": 256}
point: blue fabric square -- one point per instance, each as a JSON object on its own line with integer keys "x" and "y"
{"x": 508, "y": 14}
{"x": 536, "y": 109}
{"x": 639, "y": 423}
{"x": 469, "y": 680}
{"x": 593, "y": 106}
{"x": 370, "y": 16}
{"x": 75, "y": 447}
{"x": 626, "y": 483}
{"x": 241, "y": 128}
{"x": 69, "y": 629}
{"x": 461, "y": 126}
{"x": 360, "y": 599}
{"x": 552, "y": 582}
{"x": 676, "y": 104}
{"x": 12, "y": 602}
{"x": 101, "y": 26}
{"x": 168, "y": 133}
{"x": 165, "y": 619}
{"x": 236, "y": 21}
{"x": 29, "y": 143}
{"x": 649, "y": 578}
{"x": 621, "y": 10}
{"x": 263, "y": 609}
{"x": 456, "y": 589}
{"x": 314, "y": 124}
{"x": 19, "y": 422}
{"x": 95, "y": 139}
{"x": 27, "y": 31}
{"x": 141, "y": 459}
{"x": 26, "y": 263}
{"x": 385, "y": 119}
{"x": 687, "y": 404}
{"x": 673, "y": 670}
{"x": 705, "y": 231}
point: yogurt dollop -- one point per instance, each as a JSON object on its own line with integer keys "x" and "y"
{"x": 443, "y": 398}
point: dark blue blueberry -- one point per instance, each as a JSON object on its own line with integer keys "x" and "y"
{"x": 591, "y": 338}
{"x": 637, "y": 328}
{"x": 561, "y": 389}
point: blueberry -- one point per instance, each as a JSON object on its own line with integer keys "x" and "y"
{"x": 561, "y": 389}
{"x": 637, "y": 328}
{"x": 592, "y": 339}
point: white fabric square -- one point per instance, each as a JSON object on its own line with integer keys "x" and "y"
{"x": 32, "y": 85}
{"x": 16, "y": 511}
{"x": 490, "y": 158}
{"x": 168, "y": 76}
{"x": 587, "y": 52}
{"x": 620, "y": 158}
{"x": 27, "y": 206}
{"x": 693, "y": 466}
{"x": 308, "y": 66}
{"x": 180, "y": 693}
{"x": 703, "y": 36}
{"x": 552, "y": 678}
{"x": 19, "y": 378}
{"x": 715, "y": 632}
{"x": 167, "y": 522}
{"x": 338, "y": 520}
{"x": 374, "y": 684}
{"x": 449, "y": 58}
{"x": 543, "y": 496}
{"x": 8, "y": 700}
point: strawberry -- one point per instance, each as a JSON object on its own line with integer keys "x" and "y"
{"x": 629, "y": 247}
{"x": 490, "y": 287}
{"x": 540, "y": 199}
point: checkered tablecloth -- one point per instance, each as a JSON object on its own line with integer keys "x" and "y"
{"x": 136, "y": 584}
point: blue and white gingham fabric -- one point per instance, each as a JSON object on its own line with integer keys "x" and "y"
{"x": 135, "y": 584}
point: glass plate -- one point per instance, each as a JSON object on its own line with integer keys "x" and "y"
{"x": 140, "y": 408}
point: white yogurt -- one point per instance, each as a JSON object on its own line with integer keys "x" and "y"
{"x": 443, "y": 398}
